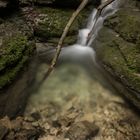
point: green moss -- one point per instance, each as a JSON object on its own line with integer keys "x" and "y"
{"x": 10, "y": 74}
{"x": 68, "y": 40}
{"x": 12, "y": 50}
{"x": 54, "y": 22}
{"x": 15, "y": 52}
{"x": 126, "y": 23}
{"x": 122, "y": 57}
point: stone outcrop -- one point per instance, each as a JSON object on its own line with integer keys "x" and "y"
{"x": 16, "y": 49}
{"x": 118, "y": 47}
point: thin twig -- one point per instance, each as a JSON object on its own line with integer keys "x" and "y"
{"x": 73, "y": 17}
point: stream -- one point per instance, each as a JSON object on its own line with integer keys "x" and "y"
{"x": 77, "y": 91}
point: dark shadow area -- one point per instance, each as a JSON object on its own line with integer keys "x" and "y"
{"x": 12, "y": 7}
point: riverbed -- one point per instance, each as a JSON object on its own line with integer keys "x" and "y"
{"x": 71, "y": 94}
{"x": 77, "y": 101}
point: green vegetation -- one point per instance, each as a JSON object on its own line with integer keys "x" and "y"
{"x": 119, "y": 46}
{"x": 15, "y": 52}
{"x": 54, "y": 22}
{"x": 119, "y": 56}
{"x": 127, "y": 24}
{"x": 12, "y": 51}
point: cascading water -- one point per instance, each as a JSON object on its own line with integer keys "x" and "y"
{"x": 82, "y": 49}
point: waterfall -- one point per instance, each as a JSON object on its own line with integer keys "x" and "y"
{"x": 81, "y": 51}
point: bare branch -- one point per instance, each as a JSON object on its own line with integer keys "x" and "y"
{"x": 65, "y": 32}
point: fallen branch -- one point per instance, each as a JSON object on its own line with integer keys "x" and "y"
{"x": 74, "y": 15}
{"x": 98, "y": 14}
{"x": 59, "y": 46}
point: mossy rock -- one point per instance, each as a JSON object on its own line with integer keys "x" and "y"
{"x": 12, "y": 51}
{"x": 54, "y": 22}
{"x": 15, "y": 52}
{"x": 127, "y": 23}
{"x": 15, "y": 48}
{"x": 119, "y": 57}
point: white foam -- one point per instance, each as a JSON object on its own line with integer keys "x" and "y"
{"x": 82, "y": 36}
{"x": 76, "y": 51}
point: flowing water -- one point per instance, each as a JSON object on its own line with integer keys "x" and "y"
{"x": 79, "y": 83}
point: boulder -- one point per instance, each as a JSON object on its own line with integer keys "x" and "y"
{"x": 49, "y": 23}
{"x": 118, "y": 48}
{"x": 16, "y": 49}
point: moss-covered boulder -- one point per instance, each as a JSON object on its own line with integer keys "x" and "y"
{"x": 15, "y": 48}
{"x": 16, "y": 51}
{"x": 126, "y": 23}
{"x": 118, "y": 49}
{"x": 51, "y": 22}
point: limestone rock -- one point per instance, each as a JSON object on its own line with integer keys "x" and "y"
{"x": 118, "y": 48}
{"x": 82, "y": 131}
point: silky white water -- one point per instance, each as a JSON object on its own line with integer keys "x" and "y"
{"x": 81, "y": 51}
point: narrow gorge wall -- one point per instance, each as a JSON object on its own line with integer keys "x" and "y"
{"x": 118, "y": 48}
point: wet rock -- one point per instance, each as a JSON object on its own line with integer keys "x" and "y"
{"x": 82, "y": 131}
{"x": 117, "y": 47}
{"x": 16, "y": 50}
{"x": 36, "y": 115}
{"x": 76, "y": 99}
{"x": 14, "y": 34}
{"x": 48, "y": 25}
{"x": 3, "y": 131}
{"x": 126, "y": 23}
{"x": 18, "y": 129}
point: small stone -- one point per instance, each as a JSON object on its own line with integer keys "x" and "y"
{"x": 36, "y": 115}
{"x": 82, "y": 131}
{"x": 3, "y": 131}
